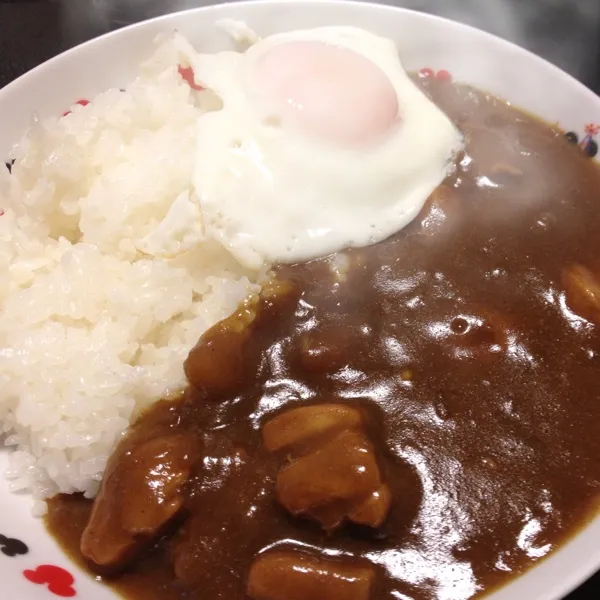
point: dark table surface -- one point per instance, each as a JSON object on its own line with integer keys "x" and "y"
{"x": 566, "y": 32}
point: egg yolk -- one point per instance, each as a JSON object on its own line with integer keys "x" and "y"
{"x": 328, "y": 91}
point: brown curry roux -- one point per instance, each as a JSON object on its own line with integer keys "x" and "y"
{"x": 469, "y": 345}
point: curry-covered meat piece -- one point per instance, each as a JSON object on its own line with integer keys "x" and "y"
{"x": 373, "y": 510}
{"x": 333, "y": 473}
{"x": 225, "y": 357}
{"x": 140, "y": 495}
{"x": 308, "y": 424}
{"x": 218, "y": 364}
{"x": 330, "y": 481}
{"x": 296, "y": 575}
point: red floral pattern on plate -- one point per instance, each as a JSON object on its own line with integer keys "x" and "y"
{"x": 60, "y": 581}
{"x": 441, "y": 75}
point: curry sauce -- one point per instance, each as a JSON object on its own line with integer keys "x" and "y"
{"x": 455, "y": 363}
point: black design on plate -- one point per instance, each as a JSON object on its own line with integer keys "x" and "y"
{"x": 591, "y": 148}
{"x": 9, "y": 164}
{"x": 12, "y": 547}
{"x": 572, "y": 137}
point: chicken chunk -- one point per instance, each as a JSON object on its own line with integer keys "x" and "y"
{"x": 374, "y": 510}
{"x": 217, "y": 363}
{"x": 226, "y": 353}
{"x": 308, "y": 423}
{"x": 140, "y": 494}
{"x": 343, "y": 470}
{"x": 333, "y": 474}
{"x": 289, "y": 575}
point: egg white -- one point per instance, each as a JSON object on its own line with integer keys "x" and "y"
{"x": 269, "y": 192}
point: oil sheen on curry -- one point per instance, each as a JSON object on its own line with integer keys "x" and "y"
{"x": 412, "y": 420}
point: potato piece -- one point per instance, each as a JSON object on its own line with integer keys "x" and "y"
{"x": 374, "y": 510}
{"x": 288, "y": 575}
{"x": 140, "y": 494}
{"x": 583, "y": 292}
{"x": 307, "y": 424}
{"x": 343, "y": 470}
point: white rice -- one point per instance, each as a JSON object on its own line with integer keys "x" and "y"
{"x": 91, "y": 330}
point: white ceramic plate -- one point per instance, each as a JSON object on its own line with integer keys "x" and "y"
{"x": 31, "y": 565}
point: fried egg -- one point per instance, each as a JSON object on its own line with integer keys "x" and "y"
{"x": 323, "y": 142}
